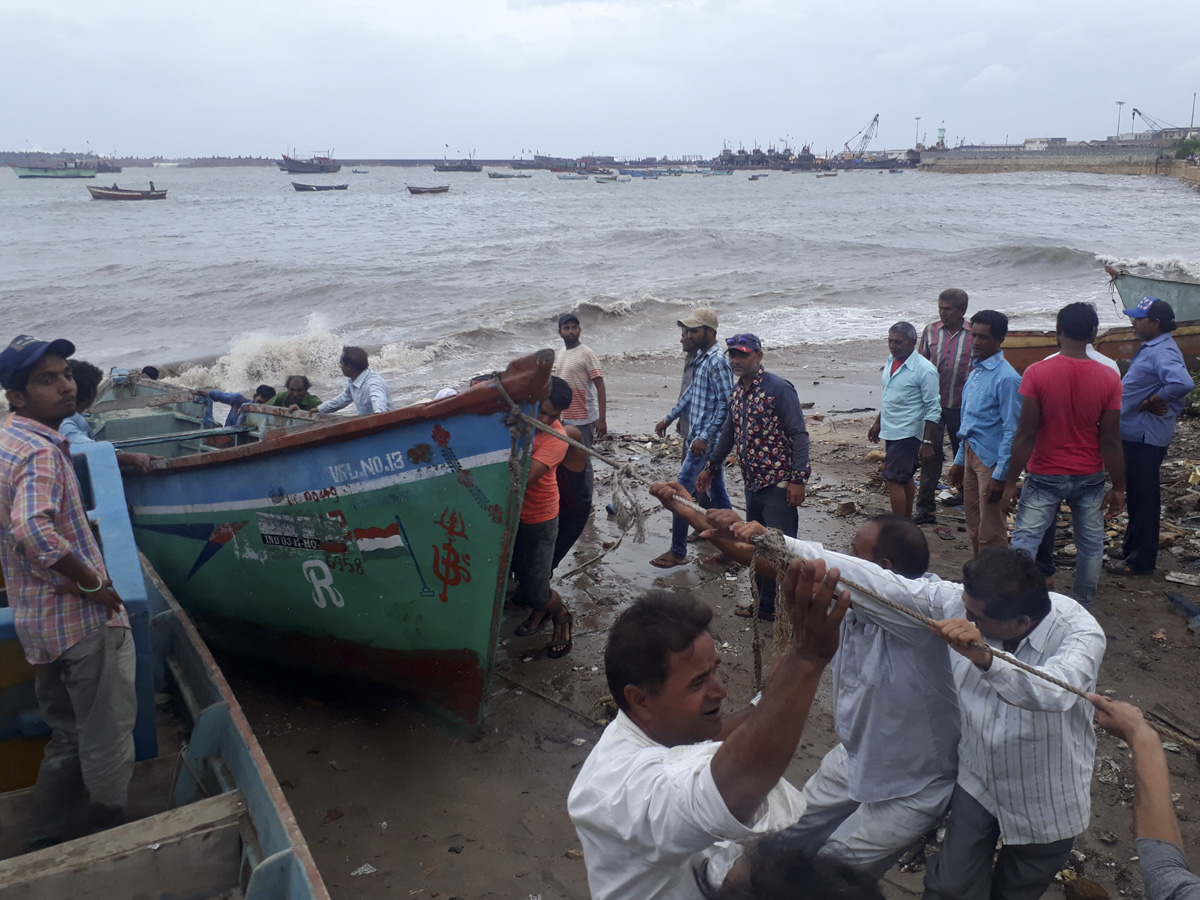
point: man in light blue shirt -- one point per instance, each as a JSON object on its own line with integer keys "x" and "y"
{"x": 991, "y": 407}
{"x": 1152, "y": 394}
{"x": 908, "y": 417}
{"x": 365, "y": 388}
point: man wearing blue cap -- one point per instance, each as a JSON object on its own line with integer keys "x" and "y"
{"x": 765, "y": 427}
{"x": 70, "y": 621}
{"x": 1152, "y": 394}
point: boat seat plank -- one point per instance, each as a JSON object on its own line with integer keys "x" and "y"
{"x": 189, "y": 853}
{"x": 145, "y": 401}
{"x": 181, "y": 435}
{"x": 149, "y": 794}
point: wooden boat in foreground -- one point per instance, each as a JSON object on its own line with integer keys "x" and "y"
{"x": 319, "y": 187}
{"x": 375, "y": 546}
{"x": 116, "y": 193}
{"x": 207, "y": 817}
{"x": 440, "y": 189}
{"x": 1023, "y": 348}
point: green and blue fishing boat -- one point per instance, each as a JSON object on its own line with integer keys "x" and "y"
{"x": 376, "y": 546}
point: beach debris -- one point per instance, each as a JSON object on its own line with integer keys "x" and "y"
{"x": 1083, "y": 889}
{"x": 383, "y": 825}
{"x": 1108, "y": 770}
{"x": 876, "y": 456}
{"x": 579, "y": 742}
{"x": 332, "y": 815}
{"x": 336, "y": 766}
{"x": 574, "y": 854}
{"x": 1160, "y": 636}
{"x": 1171, "y": 747}
{"x": 364, "y": 869}
{"x": 455, "y": 848}
{"x": 1107, "y": 837}
{"x": 1183, "y": 578}
{"x": 847, "y": 508}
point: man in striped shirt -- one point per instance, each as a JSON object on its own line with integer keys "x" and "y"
{"x": 68, "y": 618}
{"x": 947, "y": 344}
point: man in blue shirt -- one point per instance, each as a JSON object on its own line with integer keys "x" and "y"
{"x": 991, "y": 407}
{"x": 1152, "y": 394}
{"x": 706, "y": 404}
{"x": 908, "y": 418}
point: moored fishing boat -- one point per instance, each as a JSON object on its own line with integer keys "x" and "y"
{"x": 375, "y": 547}
{"x": 206, "y": 819}
{"x": 57, "y": 168}
{"x": 319, "y": 187}
{"x": 116, "y": 193}
{"x": 315, "y": 164}
{"x": 439, "y": 189}
{"x": 1184, "y": 296}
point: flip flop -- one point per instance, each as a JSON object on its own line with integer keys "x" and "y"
{"x": 943, "y": 531}
{"x": 1123, "y": 568}
{"x": 566, "y": 648}
{"x": 526, "y": 628}
{"x": 668, "y": 560}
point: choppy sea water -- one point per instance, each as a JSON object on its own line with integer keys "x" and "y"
{"x": 245, "y": 280}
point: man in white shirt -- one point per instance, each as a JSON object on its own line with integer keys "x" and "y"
{"x": 671, "y": 781}
{"x": 1027, "y": 748}
{"x": 895, "y": 709}
{"x": 365, "y": 388}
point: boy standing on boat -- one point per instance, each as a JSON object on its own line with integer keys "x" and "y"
{"x": 365, "y": 388}
{"x": 533, "y": 547}
{"x": 70, "y": 621}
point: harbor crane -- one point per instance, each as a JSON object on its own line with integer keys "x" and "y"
{"x": 1153, "y": 124}
{"x": 868, "y": 134}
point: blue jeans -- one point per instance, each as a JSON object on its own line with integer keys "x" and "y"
{"x": 1084, "y": 494}
{"x": 770, "y": 507}
{"x": 718, "y": 497}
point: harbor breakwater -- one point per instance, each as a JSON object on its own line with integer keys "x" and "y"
{"x": 1096, "y": 161}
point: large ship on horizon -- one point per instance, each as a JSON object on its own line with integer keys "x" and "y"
{"x": 56, "y": 167}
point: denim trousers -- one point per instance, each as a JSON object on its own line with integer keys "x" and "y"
{"x": 1084, "y": 494}
{"x": 718, "y": 497}
{"x": 770, "y": 507}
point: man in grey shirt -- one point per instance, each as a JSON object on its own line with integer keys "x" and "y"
{"x": 1159, "y": 841}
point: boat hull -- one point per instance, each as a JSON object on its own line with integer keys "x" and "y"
{"x": 314, "y": 166}
{"x": 303, "y": 188}
{"x": 123, "y": 194}
{"x": 1183, "y": 296}
{"x": 39, "y": 172}
{"x": 1023, "y": 348}
{"x": 377, "y": 547}
{"x": 440, "y": 189}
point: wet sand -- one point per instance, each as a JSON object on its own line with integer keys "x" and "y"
{"x": 375, "y": 781}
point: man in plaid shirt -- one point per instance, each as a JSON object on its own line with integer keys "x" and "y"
{"x": 68, "y": 618}
{"x": 706, "y": 404}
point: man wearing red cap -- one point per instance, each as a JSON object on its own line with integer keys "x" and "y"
{"x": 70, "y": 621}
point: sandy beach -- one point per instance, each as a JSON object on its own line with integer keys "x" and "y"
{"x": 374, "y": 781}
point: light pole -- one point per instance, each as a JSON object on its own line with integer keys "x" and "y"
{"x": 917, "y": 136}
{"x": 1120, "y": 103}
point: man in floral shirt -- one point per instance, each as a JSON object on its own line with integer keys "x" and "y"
{"x": 765, "y": 427}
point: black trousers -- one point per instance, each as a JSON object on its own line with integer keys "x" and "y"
{"x": 1144, "y": 502}
{"x": 931, "y": 473}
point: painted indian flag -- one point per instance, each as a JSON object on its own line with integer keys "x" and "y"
{"x": 380, "y": 543}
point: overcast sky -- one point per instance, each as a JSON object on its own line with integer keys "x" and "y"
{"x": 404, "y": 78}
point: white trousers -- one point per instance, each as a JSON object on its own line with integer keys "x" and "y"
{"x": 868, "y": 836}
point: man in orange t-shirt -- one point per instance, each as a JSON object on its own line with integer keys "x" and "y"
{"x": 533, "y": 549}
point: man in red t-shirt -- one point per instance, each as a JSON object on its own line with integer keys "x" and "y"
{"x": 533, "y": 549}
{"x": 1068, "y": 434}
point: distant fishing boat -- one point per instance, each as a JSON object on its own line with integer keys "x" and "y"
{"x": 360, "y": 171}
{"x": 827, "y": 174}
{"x": 319, "y": 187}
{"x": 57, "y": 168}
{"x": 613, "y": 179}
{"x": 1184, "y": 296}
{"x": 462, "y": 165}
{"x": 508, "y": 175}
{"x": 316, "y": 164}
{"x": 116, "y": 193}
{"x": 371, "y": 546}
{"x": 573, "y": 177}
{"x": 753, "y": 178}
{"x": 439, "y": 189}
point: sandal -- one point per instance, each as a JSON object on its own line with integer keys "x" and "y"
{"x": 1123, "y": 568}
{"x": 943, "y": 531}
{"x": 668, "y": 560}
{"x": 564, "y": 647}
{"x": 528, "y": 627}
